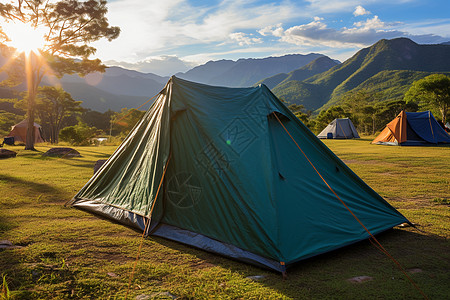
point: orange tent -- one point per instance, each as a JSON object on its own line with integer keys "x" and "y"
{"x": 19, "y": 132}
{"x": 412, "y": 128}
{"x": 394, "y": 132}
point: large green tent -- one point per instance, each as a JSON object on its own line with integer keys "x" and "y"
{"x": 222, "y": 169}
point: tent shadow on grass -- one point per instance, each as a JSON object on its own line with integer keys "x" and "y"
{"x": 38, "y": 188}
{"x": 80, "y": 163}
{"x": 100, "y": 155}
{"x": 413, "y": 250}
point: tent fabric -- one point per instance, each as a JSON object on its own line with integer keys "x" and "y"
{"x": 339, "y": 129}
{"x": 233, "y": 181}
{"x": 412, "y": 129}
{"x": 19, "y": 132}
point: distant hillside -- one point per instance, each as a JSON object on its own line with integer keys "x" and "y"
{"x": 115, "y": 89}
{"x": 119, "y": 87}
{"x": 100, "y": 100}
{"x": 317, "y": 66}
{"x": 273, "y": 81}
{"x": 385, "y": 55}
{"x": 121, "y": 81}
{"x": 393, "y": 84}
{"x": 246, "y": 72}
{"x": 205, "y": 72}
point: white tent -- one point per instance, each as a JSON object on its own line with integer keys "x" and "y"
{"x": 339, "y": 129}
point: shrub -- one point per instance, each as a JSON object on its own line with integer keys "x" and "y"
{"x": 80, "y": 134}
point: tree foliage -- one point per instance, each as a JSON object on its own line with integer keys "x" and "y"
{"x": 71, "y": 26}
{"x": 124, "y": 121}
{"x": 53, "y": 105}
{"x": 367, "y": 113}
{"x": 7, "y": 120}
{"x": 326, "y": 116}
{"x": 431, "y": 92}
{"x": 79, "y": 134}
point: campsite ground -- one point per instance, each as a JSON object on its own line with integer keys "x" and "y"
{"x": 65, "y": 253}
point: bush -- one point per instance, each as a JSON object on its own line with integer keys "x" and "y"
{"x": 80, "y": 134}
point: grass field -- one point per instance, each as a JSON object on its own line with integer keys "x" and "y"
{"x": 65, "y": 253}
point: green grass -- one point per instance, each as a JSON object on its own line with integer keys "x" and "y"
{"x": 69, "y": 254}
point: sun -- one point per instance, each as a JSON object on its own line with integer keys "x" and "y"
{"x": 24, "y": 37}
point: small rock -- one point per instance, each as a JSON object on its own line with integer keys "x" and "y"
{"x": 112, "y": 274}
{"x": 415, "y": 270}
{"x": 8, "y": 245}
{"x": 256, "y": 277}
{"x": 360, "y": 279}
{"x": 166, "y": 294}
{"x": 62, "y": 152}
{"x": 4, "y": 153}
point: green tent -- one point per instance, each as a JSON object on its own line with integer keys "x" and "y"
{"x": 215, "y": 168}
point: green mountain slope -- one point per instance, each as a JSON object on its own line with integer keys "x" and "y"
{"x": 392, "y": 84}
{"x": 317, "y": 66}
{"x": 289, "y": 91}
{"x": 385, "y": 55}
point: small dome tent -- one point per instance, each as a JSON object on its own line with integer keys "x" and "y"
{"x": 339, "y": 129}
{"x": 19, "y": 132}
{"x": 412, "y": 129}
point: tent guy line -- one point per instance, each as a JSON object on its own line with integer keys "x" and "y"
{"x": 372, "y": 238}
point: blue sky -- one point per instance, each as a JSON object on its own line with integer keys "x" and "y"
{"x": 165, "y": 37}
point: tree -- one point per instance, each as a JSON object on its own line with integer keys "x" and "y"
{"x": 299, "y": 111}
{"x": 80, "y": 134}
{"x": 70, "y": 27}
{"x": 326, "y": 116}
{"x": 53, "y": 105}
{"x": 431, "y": 92}
{"x": 124, "y": 121}
{"x": 97, "y": 119}
{"x": 7, "y": 120}
{"x": 386, "y": 111}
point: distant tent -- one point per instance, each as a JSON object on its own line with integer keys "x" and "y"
{"x": 19, "y": 132}
{"x": 412, "y": 129}
{"x": 215, "y": 168}
{"x": 339, "y": 129}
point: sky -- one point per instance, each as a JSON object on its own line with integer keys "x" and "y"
{"x": 170, "y": 36}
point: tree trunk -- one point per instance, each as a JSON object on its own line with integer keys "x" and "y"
{"x": 29, "y": 144}
{"x": 443, "y": 114}
{"x": 32, "y": 89}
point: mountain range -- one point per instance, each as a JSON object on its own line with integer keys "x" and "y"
{"x": 388, "y": 66}
{"x": 313, "y": 80}
{"x": 246, "y": 72}
{"x": 118, "y": 87}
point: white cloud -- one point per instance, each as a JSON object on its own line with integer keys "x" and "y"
{"x": 276, "y": 30}
{"x": 158, "y": 32}
{"x": 360, "y": 11}
{"x": 244, "y": 39}
{"x": 373, "y": 23}
{"x": 317, "y": 33}
{"x": 161, "y": 27}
